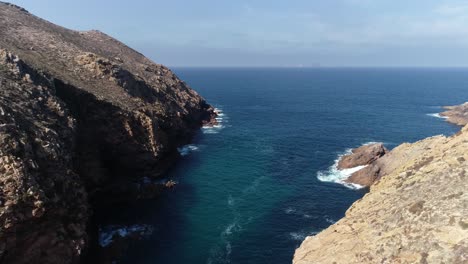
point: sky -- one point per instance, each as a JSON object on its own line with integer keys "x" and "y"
{"x": 276, "y": 33}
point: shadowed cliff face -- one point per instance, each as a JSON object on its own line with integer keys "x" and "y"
{"x": 43, "y": 203}
{"x": 83, "y": 119}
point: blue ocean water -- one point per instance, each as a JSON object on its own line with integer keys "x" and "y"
{"x": 248, "y": 190}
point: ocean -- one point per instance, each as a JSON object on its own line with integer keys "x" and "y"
{"x": 251, "y": 189}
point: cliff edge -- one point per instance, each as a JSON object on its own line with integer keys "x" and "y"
{"x": 85, "y": 121}
{"x": 416, "y": 212}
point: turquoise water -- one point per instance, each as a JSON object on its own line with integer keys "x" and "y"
{"x": 248, "y": 191}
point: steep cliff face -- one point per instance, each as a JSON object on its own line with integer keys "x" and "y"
{"x": 43, "y": 203}
{"x": 83, "y": 119}
{"x": 416, "y": 211}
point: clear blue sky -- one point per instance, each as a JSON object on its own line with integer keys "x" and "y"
{"x": 276, "y": 33}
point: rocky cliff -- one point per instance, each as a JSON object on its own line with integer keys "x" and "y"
{"x": 83, "y": 118}
{"x": 415, "y": 212}
{"x": 457, "y": 114}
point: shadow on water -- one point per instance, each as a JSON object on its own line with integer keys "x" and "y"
{"x": 165, "y": 213}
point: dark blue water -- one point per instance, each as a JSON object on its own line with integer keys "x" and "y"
{"x": 250, "y": 193}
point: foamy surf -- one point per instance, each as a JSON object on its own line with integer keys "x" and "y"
{"x": 329, "y": 220}
{"x": 301, "y": 235}
{"x": 220, "y": 119}
{"x": 187, "y": 149}
{"x": 437, "y": 115}
{"x": 109, "y": 233}
{"x": 333, "y": 174}
{"x": 221, "y": 253}
{"x": 292, "y": 211}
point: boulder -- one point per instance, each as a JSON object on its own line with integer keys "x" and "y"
{"x": 363, "y": 155}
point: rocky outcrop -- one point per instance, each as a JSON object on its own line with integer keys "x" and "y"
{"x": 457, "y": 114}
{"x": 415, "y": 212}
{"x": 382, "y": 165}
{"x": 84, "y": 122}
{"x": 363, "y": 155}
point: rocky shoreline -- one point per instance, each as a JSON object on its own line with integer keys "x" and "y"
{"x": 415, "y": 211}
{"x": 457, "y": 114}
{"x": 85, "y": 122}
{"x": 364, "y": 156}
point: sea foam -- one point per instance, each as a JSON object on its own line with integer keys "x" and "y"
{"x": 221, "y": 119}
{"x": 333, "y": 174}
{"x": 107, "y": 234}
{"x": 187, "y": 149}
{"x": 301, "y": 235}
{"x": 437, "y": 115}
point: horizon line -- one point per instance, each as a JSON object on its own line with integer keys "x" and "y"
{"x": 319, "y": 67}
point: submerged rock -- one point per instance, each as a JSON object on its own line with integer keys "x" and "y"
{"x": 363, "y": 155}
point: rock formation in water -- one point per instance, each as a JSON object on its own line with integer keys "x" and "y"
{"x": 83, "y": 118}
{"x": 416, "y": 210}
{"x": 380, "y": 165}
{"x": 363, "y": 155}
{"x": 457, "y": 114}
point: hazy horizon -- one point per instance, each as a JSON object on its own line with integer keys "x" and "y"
{"x": 336, "y": 33}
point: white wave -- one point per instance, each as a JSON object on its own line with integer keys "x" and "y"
{"x": 221, "y": 253}
{"x": 219, "y": 112}
{"x": 300, "y": 236}
{"x": 297, "y": 236}
{"x": 292, "y": 211}
{"x": 107, "y": 234}
{"x": 231, "y": 228}
{"x": 329, "y": 220}
{"x": 368, "y": 143}
{"x": 187, "y": 149}
{"x": 437, "y": 115}
{"x": 220, "y": 119}
{"x": 333, "y": 174}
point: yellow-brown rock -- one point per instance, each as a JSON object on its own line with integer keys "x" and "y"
{"x": 457, "y": 114}
{"x": 416, "y": 213}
